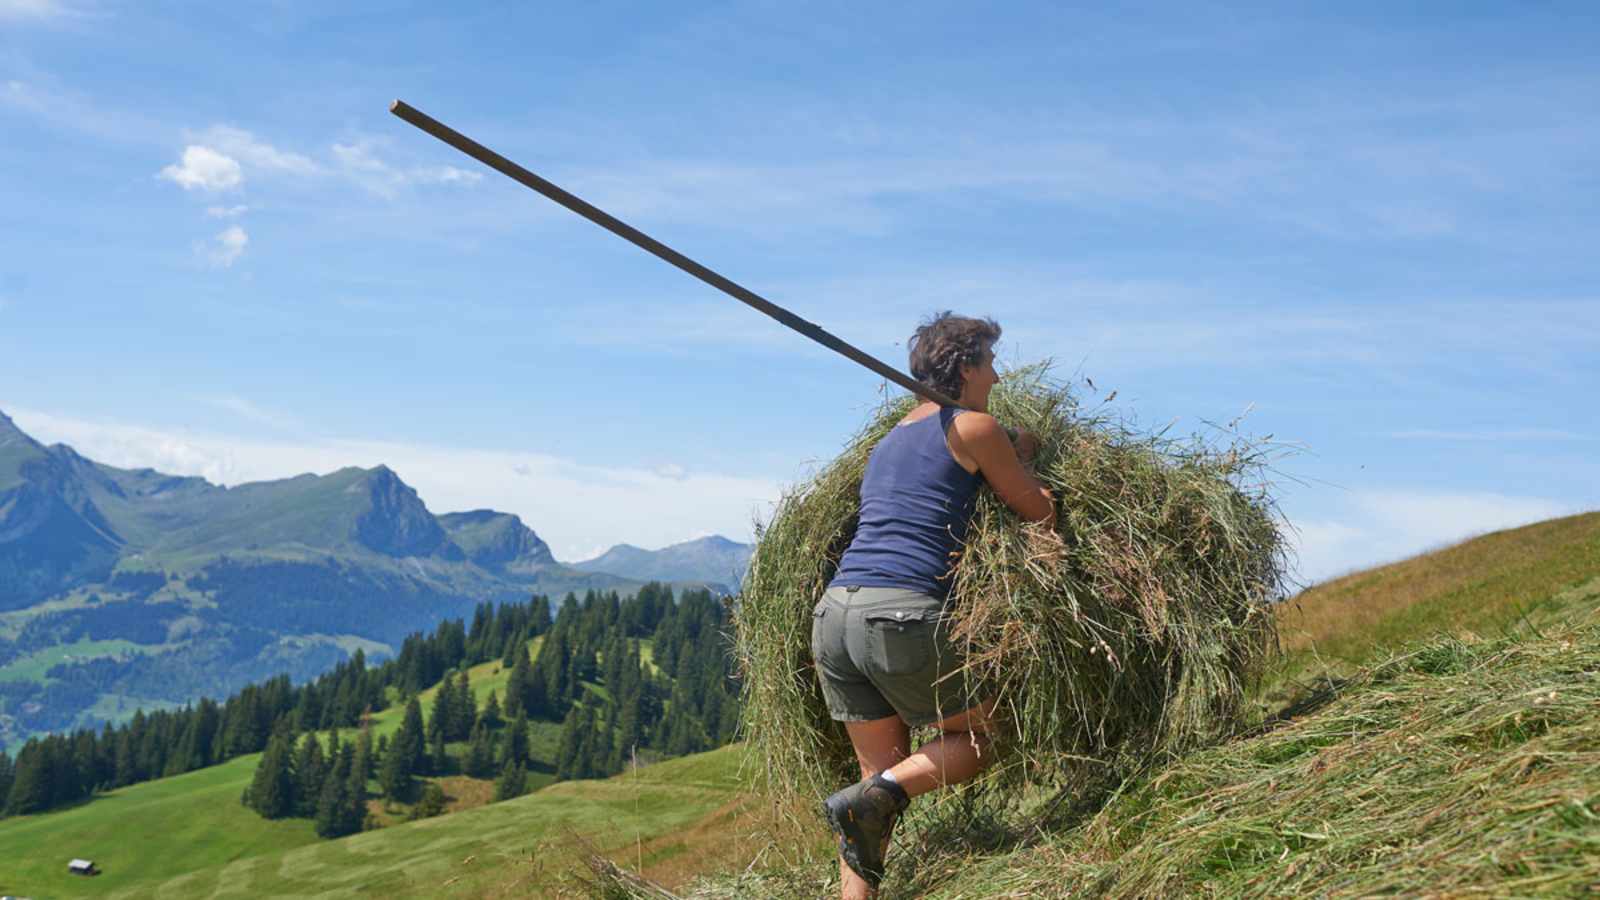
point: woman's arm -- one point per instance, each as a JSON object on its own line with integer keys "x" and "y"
{"x": 983, "y": 440}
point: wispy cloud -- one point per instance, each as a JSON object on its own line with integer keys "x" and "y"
{"x": 257, "y": 153}
{"x": 1376, "y": 526}
{"x": 224, "y": 249}
{"x": 254, "y": 412}
{"x": 1121, "y": 323}
{"x": 39, "y": 96}
{"x": 18, "y": 10}
{"x": 360, "y": 162}
{"x": 226, "y": 212}
{"x": 574, "y": 505}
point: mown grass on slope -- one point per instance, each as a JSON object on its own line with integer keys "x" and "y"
{"x": 1456, "y": 768}
{"x": 1539, "y": 572}
{"x": 1396, "y": 743}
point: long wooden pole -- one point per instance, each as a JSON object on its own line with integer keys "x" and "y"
{"x": 645, "y": 242}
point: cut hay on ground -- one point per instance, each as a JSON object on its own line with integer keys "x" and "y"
{"x": 1127, "y": 634}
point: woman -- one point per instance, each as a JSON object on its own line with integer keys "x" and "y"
{"x": 878, "y": 634}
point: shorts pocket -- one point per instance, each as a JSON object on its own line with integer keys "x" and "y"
{"x": 818, "y": 623}
{"x": 900, "y": 642}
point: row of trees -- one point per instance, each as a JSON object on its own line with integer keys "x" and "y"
{"x": 590, "y": 674}
{"x": 57, "y": 770}
{"x": 687, "y": 703}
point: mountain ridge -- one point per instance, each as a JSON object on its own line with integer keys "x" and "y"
{"x": 714, "y": 559}
{"x": 260, "y": 576}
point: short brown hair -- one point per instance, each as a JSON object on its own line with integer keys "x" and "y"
{"x": 945, "y": 343}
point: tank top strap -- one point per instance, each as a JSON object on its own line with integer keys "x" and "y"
{"x": 947, "y": 414}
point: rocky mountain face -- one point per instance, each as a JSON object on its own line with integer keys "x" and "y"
{"x": 170, "y": 588}
{"x": 498, "y": 541}
{"x": 714, "y": 560}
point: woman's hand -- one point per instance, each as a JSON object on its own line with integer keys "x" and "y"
{"x": 1026, "y": 444}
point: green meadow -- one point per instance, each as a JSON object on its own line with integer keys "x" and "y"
{"x": 190, "y": 837}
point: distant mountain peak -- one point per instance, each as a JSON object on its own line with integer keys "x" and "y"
{"x": 497, "y": 540}
{"x": 397, "y": 523}
{"x": 9, "y": 432}
{"x": 713, "y": 559}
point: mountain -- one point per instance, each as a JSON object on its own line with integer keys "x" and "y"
{"x": 714, "y": 560}
{"x": 166, "y": 588}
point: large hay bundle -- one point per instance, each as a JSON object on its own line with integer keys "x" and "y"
{"x": 1128, "y": 633}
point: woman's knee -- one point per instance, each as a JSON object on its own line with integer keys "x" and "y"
{"x": 979, "y": 741}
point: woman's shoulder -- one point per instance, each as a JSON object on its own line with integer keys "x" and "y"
{"x": 973, "y": 424}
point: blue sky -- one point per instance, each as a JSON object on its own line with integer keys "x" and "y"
{"x": 1374, "y": 229}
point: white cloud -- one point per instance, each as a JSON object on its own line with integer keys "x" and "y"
{"x": 575, "y": 506}
{"x": 256, "y": 153}
{"x": 254, "y": 412}
{"x": 206, "y": 169}
{"x": 361, "y": 163}
{"x": 31, "y": 9}
{"x": 1379, "y": 526}
{"x": 225, "y": 249}
{"x": 226, "y": 212}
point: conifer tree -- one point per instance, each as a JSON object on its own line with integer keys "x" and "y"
{"x": 439, "y": 713}
{"x": 480, "y": 753}
{"x": 465, "y": 709}
{"x": 30, "y": 787}
{"x": 364, "y": 761}
{"x": 335, "y": 811}
{"x": 394, "y": 777}
{"x": 272, "y": 788}
{"x": 517, "y": 685}
{"x": 513, "y": 782}
{"x": 438, "y": 759}
{"x": 356, "y": 792}
{"x": 409, "y": 740}
{"x": 490, "y": 717}
{"x": 568, "y": 761}
{"x": 310, "y": 770}
{"x": 514, "y": 745}
{"x": 7, "y": 775}
{"x": 431, "y": 804}
{"x": 540, "y": 621}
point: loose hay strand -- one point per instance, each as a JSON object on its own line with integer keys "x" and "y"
{"x": 1125, "y": 635}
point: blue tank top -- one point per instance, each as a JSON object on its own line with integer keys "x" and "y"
{"x": 916, "y": 504}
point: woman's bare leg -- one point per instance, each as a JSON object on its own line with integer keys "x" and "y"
{"x": 879, "y": 744}
{"x": 959, "y": 753}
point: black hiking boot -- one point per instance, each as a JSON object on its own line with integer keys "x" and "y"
{"x": 862, "y": 815}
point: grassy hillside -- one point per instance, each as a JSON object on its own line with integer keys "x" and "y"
{"x": 1444, "y": 739}
{"x": 1457, "y": 769}
{"x": 195, "y": 821}
{"x": 142, "y": 832}
{"x": 526, "y": 847}
{"x": 1541, "y": 573}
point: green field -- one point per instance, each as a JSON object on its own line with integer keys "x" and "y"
{"x": 142, "y": 832}
{"x": 34, "y": 666}
{"x": 196, "y": 821}
{"x": 190, "y": 837}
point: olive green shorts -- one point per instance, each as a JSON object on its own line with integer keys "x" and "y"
{"x": 882, "y": 652}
